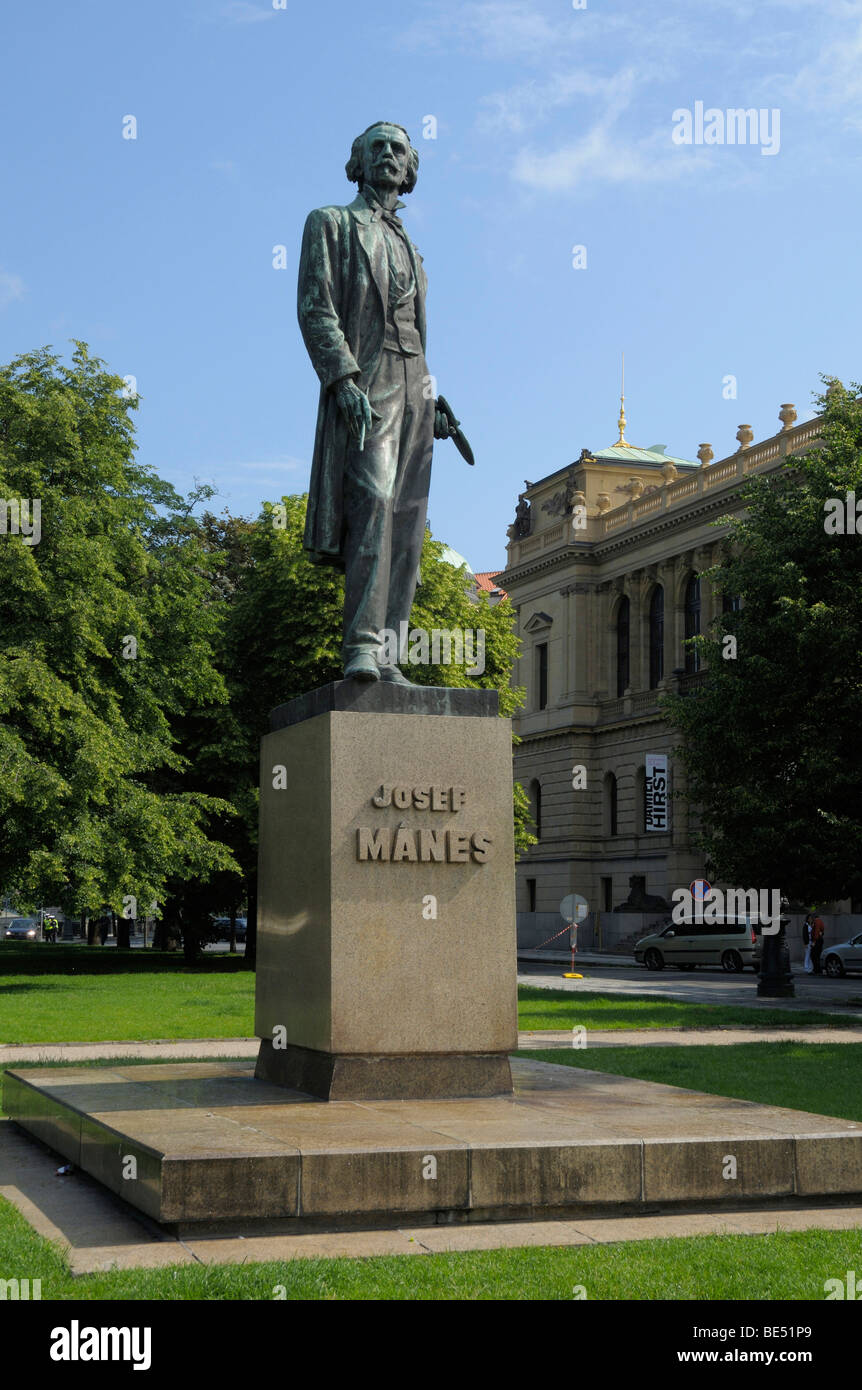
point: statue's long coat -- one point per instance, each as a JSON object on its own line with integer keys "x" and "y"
{"x": 343, "y": 291}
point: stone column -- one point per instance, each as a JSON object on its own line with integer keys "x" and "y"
{"x": 517, "y": 669}
{"x": 620, "y": 588}
{"x": 584, "y": 604}
{"x": 600, "y": 679}
{"x": 637, "y": 589}
{"x": 710, "y": 604}
{"x": 666, "y": 576}
{"x": 568, "y": 680}
{"x": 683, "y": 566}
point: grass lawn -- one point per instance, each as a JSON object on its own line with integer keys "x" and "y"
{"x": 783, "y": 1265}
{"x": 116, "y": 1008}
{"x": 820, "y": 1077}
{"x": 142, "y": 1000}
{"x": 37, "y": 958}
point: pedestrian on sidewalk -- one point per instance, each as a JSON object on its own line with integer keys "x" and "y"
{"x": 807, "y": 941}
{"x": 818, "y": 934}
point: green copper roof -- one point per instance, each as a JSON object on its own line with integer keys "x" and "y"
{"x": 451, "y": 557}
{"x": 631, "y": 455}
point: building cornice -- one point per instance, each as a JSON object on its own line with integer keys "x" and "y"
{"x": 718, "y": 486}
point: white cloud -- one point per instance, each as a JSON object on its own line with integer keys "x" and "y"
{"x": 615, "y": 130}
{"x": 604, "y": 155}
{"x": 540, "y": 32}
{"x": 834, "y": 79}
{"x": 243, "y": 12}
{"x": 12, "y": 287}
{"x": 523, "y": 107}
{"x": 491, "y": 28}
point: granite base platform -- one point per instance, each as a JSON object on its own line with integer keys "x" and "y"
{"x": 329, "y": 1077}
{"x": 190, "y": 1143}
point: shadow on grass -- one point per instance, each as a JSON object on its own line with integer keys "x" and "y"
{"x": 56, "y": 987}
{"x": 39, "y": 958}
{"x": 548, "y": 1008}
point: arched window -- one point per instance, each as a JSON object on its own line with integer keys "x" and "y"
{"x": 536, "y": 805}
{"x": 656, "y": 637}
{"x": 623, "y": 646}
{"x": 692, "y": 623}
{"x": 611, "y": 804}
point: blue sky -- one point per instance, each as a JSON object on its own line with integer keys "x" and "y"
{"x": 554, "y": 129}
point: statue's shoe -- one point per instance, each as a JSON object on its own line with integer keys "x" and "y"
{"x": 362, "y": 668}
{"x": 394, "y": 676}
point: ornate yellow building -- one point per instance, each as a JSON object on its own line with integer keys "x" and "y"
{"x": 605, "y": 566}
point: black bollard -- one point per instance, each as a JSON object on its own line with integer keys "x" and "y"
{"x": 776, "y": 981}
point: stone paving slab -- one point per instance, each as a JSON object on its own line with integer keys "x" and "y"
{"x": 212, "y": 1143}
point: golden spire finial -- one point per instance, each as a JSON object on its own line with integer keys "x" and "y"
{"x": 621, "y": 422}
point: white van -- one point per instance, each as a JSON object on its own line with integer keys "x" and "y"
{"x": 731, "y": 942}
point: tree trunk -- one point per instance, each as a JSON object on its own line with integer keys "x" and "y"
{"x": 233, "y": 931}
{"x": 93, "y": 931}
{"x": 123, "y": 934}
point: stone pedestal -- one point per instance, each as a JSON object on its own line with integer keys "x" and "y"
{"x": 386, "y": 963}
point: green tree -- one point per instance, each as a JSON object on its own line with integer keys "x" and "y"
{"x": 106, "y": 632}
{"x": 771, "y": 738}
{"x": 220, "y": 753}
{"x": 442, "y": 601}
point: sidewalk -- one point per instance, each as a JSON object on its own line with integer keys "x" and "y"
{"x": 688, "y": 1037}
{"x": 593, "y": 957}
{"x": 13, "y": 1054}
{"x": 588, "y": 957}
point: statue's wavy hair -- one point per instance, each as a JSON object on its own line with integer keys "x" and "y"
{"x": 353, "y": 167}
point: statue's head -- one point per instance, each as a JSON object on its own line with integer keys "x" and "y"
{"x": 384, "y": 157}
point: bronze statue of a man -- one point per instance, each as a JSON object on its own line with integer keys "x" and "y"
{"x": 361, "y": 307}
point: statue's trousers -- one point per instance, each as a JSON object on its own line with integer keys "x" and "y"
{"x": 385, "y": 502}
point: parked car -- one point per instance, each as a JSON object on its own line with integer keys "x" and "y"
{"x": 731, "y": 942}
{"x": 223, "y": 923}
{"x": 22, "y": 929}
{"x": 847, "y": 955}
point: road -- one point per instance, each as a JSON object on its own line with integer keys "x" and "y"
{"x": 703, "y": 986}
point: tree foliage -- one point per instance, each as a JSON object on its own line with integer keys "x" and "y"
{"x": 771, "y": 739}
{"x": 106, "y": 632}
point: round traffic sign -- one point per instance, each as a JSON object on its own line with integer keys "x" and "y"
{"x": 574, "y": 908}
